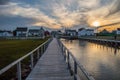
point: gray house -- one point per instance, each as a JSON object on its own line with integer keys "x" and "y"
{"x": 33, "y": 32}
{"x": 6, "y": 33}
{"x": 71, "y": 32}
{"x": 36, "y": 33}
{"x": 21, "y": 31}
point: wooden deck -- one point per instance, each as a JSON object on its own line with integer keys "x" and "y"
{"x": 51, "y": 65}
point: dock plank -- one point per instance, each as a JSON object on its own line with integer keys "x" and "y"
{"x": 51, "y": 66}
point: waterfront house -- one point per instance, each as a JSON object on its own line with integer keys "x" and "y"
{"x": 4, "y": 33}
{"x": 42, "y": 33}
{"x": 104, "y": 32}
{"x": 70, "y": 32}
{"x": 36, "y": 33}
{"x": 21, "y": 31}
{"x": 85, "y": 32}
{"x": 118, "y": 31}
{"x": 47, "y": 33}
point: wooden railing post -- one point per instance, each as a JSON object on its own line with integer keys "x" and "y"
{"x": 38, "y": 53}
{"x": 75, "y": 70}
{"x": 68, "y": 57}
{"x": 19, "y": 71}
{"x": 44, "y": 48}
{"x": 64, "y": 53}
{"x": 31, "y": 59}
{"x": 41, "y": 50}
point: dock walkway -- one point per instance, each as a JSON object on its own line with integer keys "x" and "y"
{"x": 51, "y": 66}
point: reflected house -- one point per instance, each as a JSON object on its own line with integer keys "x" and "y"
{"x": 36, "y": 33}
{"x": 71, "y": 32}
{"x": 21, "y": 31}
{"x": 118, "y": 31}
{"x": 6, "y": 33}
{"x": 85, "y": 32}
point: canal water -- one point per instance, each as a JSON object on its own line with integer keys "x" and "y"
{"x": 102, "y": 62}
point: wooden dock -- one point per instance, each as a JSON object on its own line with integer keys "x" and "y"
{"x": 113, "y": 43}
{"x": 51, "y": 66}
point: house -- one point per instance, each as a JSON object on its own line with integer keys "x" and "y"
{"x": 54, "y": 33}
{"x": 6, "y": 33}
{"x": 33, "y": 32}
{"x": 42, "y": 32}
{"x": 71, "y": 32}
{"x": 118, "y": 31}
{"x": 104, "y": 32}
{"x": 36, "y": 33}
{"x": 85, "y": 32}
{"x": 47, "y": 33}
{"x": 21, "y": 31}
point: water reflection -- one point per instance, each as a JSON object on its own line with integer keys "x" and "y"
{"x": 100, "y": 61}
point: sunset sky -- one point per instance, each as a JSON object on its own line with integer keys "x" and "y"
{"x": 58, "y": 13}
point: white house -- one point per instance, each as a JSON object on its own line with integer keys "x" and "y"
{"x": 21, "y": 31}
{"x": 6, "y": 34}
{"x": 85, "y": 32}
{"x": 118, "y": 31}
{"x": 36, "y": 32}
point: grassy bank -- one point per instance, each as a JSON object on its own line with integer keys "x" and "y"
{"x": 11, "y": 50}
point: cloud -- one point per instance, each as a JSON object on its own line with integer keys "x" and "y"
{"x": 13, "y": 9}
{"x": 115, "y": 7}
{"x": 3, "y": 2}
{"x": 16, "y": 21}
{"x": 107, "y": 14}
{"x": 59, "y": 13}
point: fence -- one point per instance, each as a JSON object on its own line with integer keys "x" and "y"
{"x": 40, "y": 50}
{"x": 74, "y": 66}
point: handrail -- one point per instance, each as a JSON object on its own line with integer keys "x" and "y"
{"x": 67, "y": 54}
{"x": 18, "y": 61}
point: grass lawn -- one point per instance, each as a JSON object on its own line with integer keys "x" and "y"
{"x": 11, "y": 50}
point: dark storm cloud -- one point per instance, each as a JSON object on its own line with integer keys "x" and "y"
{"x": 3, "y": 2}
{"x": 15, "y": 21}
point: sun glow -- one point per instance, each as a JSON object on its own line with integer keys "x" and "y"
{"x": 96, "y": 23}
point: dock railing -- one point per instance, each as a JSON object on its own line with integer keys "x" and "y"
{"x": 39, "y": 51}
{"x": 76, "y": 69}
